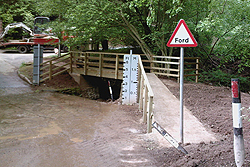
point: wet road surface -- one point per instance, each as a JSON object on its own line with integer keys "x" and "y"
{"x": 51, "y": 129}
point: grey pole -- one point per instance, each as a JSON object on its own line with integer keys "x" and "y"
{"x": 38, "y": 62}
{"x": 181, "y": 92}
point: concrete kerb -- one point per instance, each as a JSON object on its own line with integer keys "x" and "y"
{"x": 23, "y": 77}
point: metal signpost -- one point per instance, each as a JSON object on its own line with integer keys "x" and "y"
{"x": 181, "y": 37}
{"x": 130, "y": 75}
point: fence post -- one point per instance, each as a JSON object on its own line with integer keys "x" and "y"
{"x": 178, "y": 79}
{"x": 197, "y": 70}
{"x": 85, "y": 63}
{"x": 145, "y": 104}
{"x": 141, "y": 93}
{"x": 71, "y": 62}
{"x": 149, "y": 120}
{"x": 100, "y": 64}
{"x": 151, "y": 63}
{"x": 116, "y": 66}
{"x": 50, "y": 70}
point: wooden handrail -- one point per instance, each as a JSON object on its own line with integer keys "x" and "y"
{"x": 50, "y": 68}
{"x": 146, "y": 96}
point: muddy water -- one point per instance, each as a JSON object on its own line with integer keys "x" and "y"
{"x": 44, "y": 123}
{"x": 50, "y": 129}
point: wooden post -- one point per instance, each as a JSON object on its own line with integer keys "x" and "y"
{"x": 141, "y": 93}
{"x": 197, "y": 70}
{"x": 178, "y": 79}
{"x": 150, "y": 116}
{"x": 85, "y": 63}
{"x": 145, "y": 105}
{"x": 151, "y": 63}
{"x": 167, "y": 65}
{"x": 116, "y": 66}
{"x": 50, "y": 70}
{"x": 71, "y": 62}
{"x": 100, "y": 64}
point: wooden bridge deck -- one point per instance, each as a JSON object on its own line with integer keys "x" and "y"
{"x": 106, "y": 73}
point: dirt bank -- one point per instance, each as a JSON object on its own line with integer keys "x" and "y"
{"x": 212, "y": 106}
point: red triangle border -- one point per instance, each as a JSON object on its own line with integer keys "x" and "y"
{"x": 189, "y": 32}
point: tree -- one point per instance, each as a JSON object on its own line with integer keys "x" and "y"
{"x": 17, "y": 11}
{"x": 228, "y": 24}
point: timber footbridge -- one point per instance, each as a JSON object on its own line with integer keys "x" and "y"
{"x": 155, "y": 101}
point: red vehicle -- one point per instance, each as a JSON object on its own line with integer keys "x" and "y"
{"x": 37, "y": 37}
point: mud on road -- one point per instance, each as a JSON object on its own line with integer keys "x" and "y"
{"x": 51, "y": 129}
{"x": 42, "y": 128}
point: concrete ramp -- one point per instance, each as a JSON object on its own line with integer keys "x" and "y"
{"x": 167, "y": 114}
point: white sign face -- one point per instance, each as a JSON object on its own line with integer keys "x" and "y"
{"x": 130, "y": 75}
{"x": 182, "y": 37}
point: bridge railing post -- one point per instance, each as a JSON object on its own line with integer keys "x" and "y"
{"x": 85, "y": 63}
{"x": 50, "y": 70}
{"x": 116, "y": 66}
{"x": 100, "y": 64}
{"x": 71, "y": 62}
{"x": 197, "y": 70}
{"x": 150, "y": 115}
{"x": 145, "y": 104}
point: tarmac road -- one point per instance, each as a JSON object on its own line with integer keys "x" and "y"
{"x": 10, "y": 61}
{"x": 10, "y": 83}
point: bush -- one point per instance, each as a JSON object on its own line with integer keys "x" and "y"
{"x": 220, "y": 78}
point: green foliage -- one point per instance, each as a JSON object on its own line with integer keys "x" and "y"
{"x": 17, "y": 11}
{"x": 228, "y": 25}
{"x": 220, "y": 78}
{"x": 12, "y": 11}
{"x": 221, "y": 27}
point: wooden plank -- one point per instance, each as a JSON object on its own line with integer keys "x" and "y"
{"x": 166, "y": 57}
{"x": 106, "y": 53}
{"x": 190, "y": 63}
{"x": 191, "y": 58}
{"x": 54, "y": 59}
{"x": 164, "y": 62}
{"x": 188, "y": 75}
{"x": 60, "y": 72}
{"x": 60, "y": 60}
{"x": 112, "y": 59}
{"x": 164, "y": 69}
{"x": 166, "y": 74}
{"x": 190, "y": 69}
{"x": 44, "y": 67}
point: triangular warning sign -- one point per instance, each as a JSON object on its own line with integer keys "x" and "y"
{"x": 182, "y": 37}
